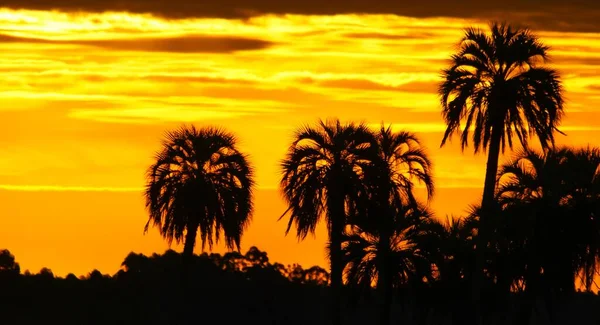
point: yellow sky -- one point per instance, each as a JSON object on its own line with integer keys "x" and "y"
{"x": 85, "y": 99}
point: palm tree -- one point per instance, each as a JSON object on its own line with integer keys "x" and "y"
{"x": 497, "y": 88}
{"x": 532, "y": 188}
{"x": 448, "y": 245}
{"x": 322, "y": 178}
{"x": 200, "y": 182}
{"x": 556, "y": 195}
{"x": 583, "y": 182}
{"x": 389, "y": 262}
{"x": 401, "y": 162}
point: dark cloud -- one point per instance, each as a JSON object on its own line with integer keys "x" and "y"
{"x": 594, "y": 87}
{"x": 184, "y": 44}
{"x": 573, "y": 15}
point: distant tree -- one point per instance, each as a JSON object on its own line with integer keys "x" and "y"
{"x": 135, "y": 263}
{"x": 8, "y": 265}
{"x": 200, "y": 182}
{"x": 96, "y": 276}
{"x": 46, "y": 274}
{"x": 497, "y": 88}
{"x": 316, "y": 275}
{"x": 321, "y": 178}
{"x": 255, "y": 257}
{"x": 295, "y": 273}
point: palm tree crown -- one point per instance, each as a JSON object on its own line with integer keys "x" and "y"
{"x": 495, "y": 82}
{"x": 200, "y": 181}
{"x": 324, "y": 162}
{"x": 401, "y": 163}
{"x": 405, "y": 261}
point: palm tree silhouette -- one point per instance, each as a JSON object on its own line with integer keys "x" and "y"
{"x": 557, "y": 194}
{"x": 583, "y": 182}
{"x": 401, "y": 162}
{"x": 322, "y": 178}
{"x": 449, "y": 247}
{"x": 497, "y": 87}
{"x": 200, "y": 182}
{"x": 532, "y": 188}
{"x": 389, "y": 262}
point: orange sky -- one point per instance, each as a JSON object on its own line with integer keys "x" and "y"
{"x": 85, "y": 99}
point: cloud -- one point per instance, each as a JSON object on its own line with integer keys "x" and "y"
{"x": 364, "y": 84}
{"x": 591, "y": 61}
{"x": 413, "y": 127}
{"x": 427, "y": 127}
{"x": 576, "y": 15}
{"x": 60, "y": 188}
{"x": 181, "y": 44}
{"x": 374, "y": 35}
{"x": 180, "y": 113}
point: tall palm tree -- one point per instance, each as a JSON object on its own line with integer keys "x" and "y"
{"x": 498, "y": 88}
{"x": 322, "y": 179}
{"x": 200, "y": 182}
{"x": 401, "y": 163}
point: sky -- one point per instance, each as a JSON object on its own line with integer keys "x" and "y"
{"x": 88, "y": 89}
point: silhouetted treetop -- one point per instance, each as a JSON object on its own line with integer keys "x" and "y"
{"x": 8, "y": 263}
{"x": 202, "y": 183}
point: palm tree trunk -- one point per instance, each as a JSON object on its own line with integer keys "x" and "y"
{"x": 190, "y": 242}
{"x": 337, "y": 214}
{"x": 487, "y": 209}
{"x": 336, "y": 269}
{"x": 384, "y": 282}
{"x": 188, "y": 255}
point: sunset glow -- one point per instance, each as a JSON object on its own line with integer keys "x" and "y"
{"x": 85, "y": 99}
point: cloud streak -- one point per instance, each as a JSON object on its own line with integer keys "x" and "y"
{"x": 181, "y": 44}
{"x": 582, "y": 14}
{"x": 61, "y": 188}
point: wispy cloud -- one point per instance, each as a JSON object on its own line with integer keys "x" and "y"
{"x": 426, "y": 127}
{"x": 180, "y": 44}
{"x": 61, "y": 188}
